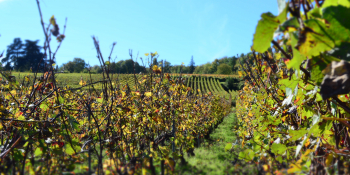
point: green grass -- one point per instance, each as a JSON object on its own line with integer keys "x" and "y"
{"x": 73, "y": 79}
{"x": 211, "y": 157}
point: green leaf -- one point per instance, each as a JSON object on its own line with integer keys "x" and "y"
{"x": 297, "y": 134}
{"x": 107, "y": 62}
{"x": 316, "y": 38}
{"x": 44, "y": 107}
{"x": 38, "y": 151}
{"x": 283, "y": 10}
{"x": 74, "y": 124}
{"x": 278, "y": 148}
{"x": 297, "y": 57}
{"x": 69, "y": 150}
{"x": 21, "y": 117}
{"x": 315, "y": 12}
{"x": 296, "y": 61}
{"x": 264, "y": 32}
{"x": 247, "y": 155}
{"x": 228, "y": 146}
{"x": 17, "y": 155}
{"x": 100, "y": 100}
{"x": 290, "y": 25}
{"x": 290, "y": 83}
{"x": 61, "y": 100}
{"x": 339, "y": 28}
{"x": 329, "y": 3}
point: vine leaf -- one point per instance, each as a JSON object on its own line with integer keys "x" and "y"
{"x": 247, "y": 154}
{"x": 339, "y": 29}
{"x": 290, "y": 83}
{"x": 278, "y": 148}
{"x": 289, "y": 25}
{"x": 314, "y": 39}
{"x": 69, "y": 149}
{"x": 329, "y": 3}
{"x": 265, "y": 30}
{"x": 297, "y": 134}
{"x": 228, "y": 146}
{"x": 38, "y": 151}
{"x": 296, "y": 61}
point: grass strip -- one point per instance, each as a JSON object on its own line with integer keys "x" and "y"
{"x": 211, "y": 157}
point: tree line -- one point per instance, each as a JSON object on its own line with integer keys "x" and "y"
{"x": 27, "y": 56}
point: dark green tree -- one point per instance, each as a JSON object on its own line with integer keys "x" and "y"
{"x": 167, "y": 67}
{"x": 33, "y": 58}
{"x": 214, "y": 66}
{"x": 77, "y": 65}
{"x": 23, "y": 57}
{"x": 224, "y": 69}
{"x": 155, "y": 62}
{"x": 191, "y": 66}
{"x": 13, "y": 54}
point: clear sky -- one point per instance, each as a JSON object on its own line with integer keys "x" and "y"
{"x": 176, "y": 29}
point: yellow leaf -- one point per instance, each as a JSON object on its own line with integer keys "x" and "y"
{"x": 82, "y": 83}
{"x": 148, "y": 94}
{"x": 171, "y": 163}
{"x": 144, "y": 171}
{"x": 266, "y": 167}
{"x": 13, "y": 92}
{"x": 146, "y": 54}
{"x": 329, "y": 159}
{"x": 52, "y": 20}
{"x": 278, "y": 56}
{"x": 307, "y": 143}
{"x": 294, "y": 168}
{"x": 155, "y": 67}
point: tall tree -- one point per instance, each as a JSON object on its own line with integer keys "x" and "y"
{"x": 214, "y": 66}
{"x": 167, "y": 67}
{"x": 77, "y": 65}
{"x": 33, "y": 57}
{"x": 14, "y": 52}
{"x": 224, "y": 69}
{"x": 192, "y": 66}
{"x": 155, "y": 62}
{"x": 22, "y": 57}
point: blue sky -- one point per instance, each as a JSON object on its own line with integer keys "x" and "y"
{"x": 175, "y": 29}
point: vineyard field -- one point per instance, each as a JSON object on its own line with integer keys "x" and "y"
{"x": 205, "y": 83}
